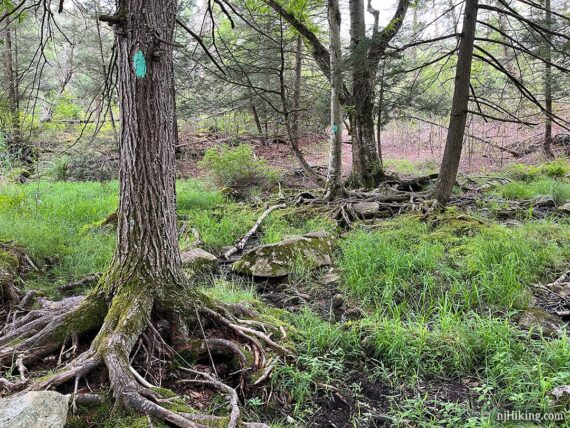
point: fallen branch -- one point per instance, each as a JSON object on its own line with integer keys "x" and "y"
{"x": 241, "y": 244}
{"x": 89, "y": 279}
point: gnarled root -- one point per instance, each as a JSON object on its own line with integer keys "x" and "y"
{"x": 42, "y": 331}
{"x": 127, "y": 332}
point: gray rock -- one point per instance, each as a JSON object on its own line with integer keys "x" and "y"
{"x": 36, "y": 409}
{"x": 329, "y": 279}
{"x": 337, "y": 301}
{"x": 544, "y": 201}
{"x": 536, "y": 318}
{"x": 560, "y": 395}
{"x": 198, "y": 259}
{"x": 565, "y": 209}
{"x": 313, "y": 250}
{"x": 366, "y": 209}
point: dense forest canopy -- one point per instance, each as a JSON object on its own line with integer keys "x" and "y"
{"x": 284, "y": 213}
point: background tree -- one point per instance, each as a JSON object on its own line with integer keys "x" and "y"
{"x": 334, "y": 176}
{"x": 458, "y": 118}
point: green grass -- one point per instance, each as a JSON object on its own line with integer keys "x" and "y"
{"x": 48, "y": 220}
{"x": 407, "y": 167}
{"x": 519, "y": 190}
{"x": 438, "y": 294}
{"x": 533, "y": 181}
{"x": 57, "y": 223}
{"x": 409, "y": 267}
{"x": 558, "y": 168}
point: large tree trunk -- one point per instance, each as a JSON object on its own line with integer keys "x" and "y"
{"x": 548, "y": 83}
{"x": 458, "y": 117}
{"x": 145, "y": 282}
{"x": 147, "y": 244}
{"x": 366, "y": 163}
{"x": 334, "y": 187}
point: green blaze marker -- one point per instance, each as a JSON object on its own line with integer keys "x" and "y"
{"x": 334, "y": 128}
{"x": 139, "y": 64}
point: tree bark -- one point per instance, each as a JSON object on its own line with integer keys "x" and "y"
{"x": 548, "y": 83}
{"x": 366, "y": 163}
{"x": 458, "y": 117}
{"x": 365, "y": 53}
{"x": 255, "y": 113}
{"x": 147, "y": 245}
{"x": 334, "y": 187}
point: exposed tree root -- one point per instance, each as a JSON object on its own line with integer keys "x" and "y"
{"x": 127, "y": 331}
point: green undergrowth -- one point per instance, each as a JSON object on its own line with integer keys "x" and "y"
{"x": 59, "y": 224}
{"x": 406, "y": 167}
{"x": 551, "y": 179}
{"x": 440, "y": 297}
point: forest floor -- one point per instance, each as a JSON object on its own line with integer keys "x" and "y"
{"x": 426, "y": 330}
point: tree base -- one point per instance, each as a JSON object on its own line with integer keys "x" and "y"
{"x": 138, "y": 329}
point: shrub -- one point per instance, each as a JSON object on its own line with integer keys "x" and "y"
{"x": 238, "y": 168}
{"x": 555, "y": 169}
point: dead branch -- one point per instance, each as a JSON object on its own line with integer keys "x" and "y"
{"x": 241, "y": 244}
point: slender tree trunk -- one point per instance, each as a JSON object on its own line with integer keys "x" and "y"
{"x": 297, "y": 87}
{"x": 292, "y": 133}
{"x": 104, "y": 68}
{"x": 147, "y": 246}
{"x": 334, "y": 187}
{"x": 548, "y": 84}
{"x": 380, "y": 106}
{"x": 458, "y": 118}
{"x": 366, "y": 163}
{"x": 255, "y": 113}
{"x": 15, "y": 139}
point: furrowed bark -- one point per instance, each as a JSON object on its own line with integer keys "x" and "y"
{"x": 366, "y": 163}
{"x": 458, "y": 118}
{"x": 147, "y": 250}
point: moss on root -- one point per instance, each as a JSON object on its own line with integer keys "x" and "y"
{"x": 88, "y": 316}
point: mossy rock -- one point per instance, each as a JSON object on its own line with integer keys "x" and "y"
{"x": 9, "y": 258}
{"x": 536, "y": 318}
{"x": 197, "y": 259}
{"x": 312, "y": 251}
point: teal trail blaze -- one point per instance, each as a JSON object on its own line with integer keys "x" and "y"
{"x": 139, "y": 63}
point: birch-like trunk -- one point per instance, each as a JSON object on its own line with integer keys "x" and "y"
{"x": 334, "y": 187}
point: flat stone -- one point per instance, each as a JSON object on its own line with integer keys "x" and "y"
{"x": 544, "y": 201}
{"x": 565, "y": 209}
{"x": 366, "y": 209}
{"x": 197, "y": 259}
{"x": 36, "y": 409}
{"x": 536, "y": 318}
{"x": 329, "y": 279}
{"x": 313, "y": 250}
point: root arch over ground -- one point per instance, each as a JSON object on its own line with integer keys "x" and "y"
{"x": 133, "y": 326}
